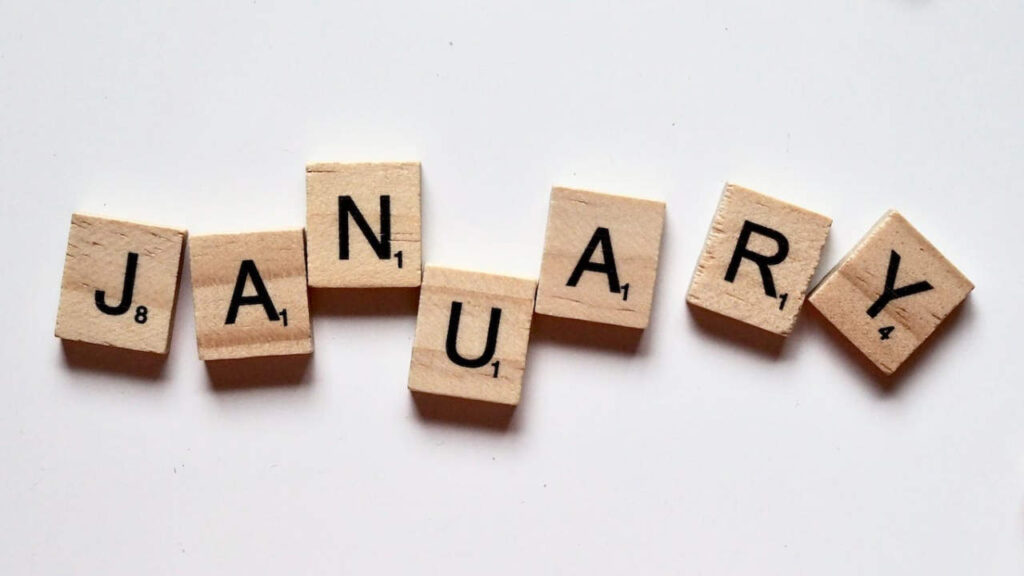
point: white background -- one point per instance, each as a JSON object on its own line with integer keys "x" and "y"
{"x": 697, "y": 454}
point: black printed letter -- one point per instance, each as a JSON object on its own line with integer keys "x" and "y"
{"x": 451, "y": 346}
{"x": 126, "y": 292}
{"x": 245, "y": 271}
{"x": 603, "y": 237}
{"x": 891, "y": 292}
{"x": 762, "y": 261}
{"x": 382, "y": 246}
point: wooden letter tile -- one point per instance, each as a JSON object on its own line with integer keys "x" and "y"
{"x": 363, "y": 225}
{"x": 250, "y": 295}
{"x": 472, "y": 332}
{"x": 890, "y": 292}
{"x": 758, "y": 260}
{"x": 120, "y": 284}
{"x": 600, "y": 258}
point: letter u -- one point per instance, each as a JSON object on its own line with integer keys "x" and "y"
{"x": 451, "y": 346}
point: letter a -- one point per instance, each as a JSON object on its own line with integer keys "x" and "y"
{"x": 603, "y": 237}
{"x": 246, "y": 271}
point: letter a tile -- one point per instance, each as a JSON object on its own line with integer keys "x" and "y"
{"x": 758, "y": 260}
{"x": 120, "y": 284}
{"x": 890, "y": 292}
{"x": 250, "y": 296}
{"x": 472, "y": 332}
{"x": 600, "y": 258}
{"x": 363, "y": 224}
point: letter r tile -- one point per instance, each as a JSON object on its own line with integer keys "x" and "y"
{"x": 120, "y": 284}
{"x": 472, "y": 332}
{"x": 758, "y": 260}
{"x": 600, "y": 258}
{"x": 890, "y": 292}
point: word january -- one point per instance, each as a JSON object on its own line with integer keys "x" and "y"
{"x": 600, "y": 263}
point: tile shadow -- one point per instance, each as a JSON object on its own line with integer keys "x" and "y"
{"x": 263, "y": 372}
{"x": 463, "y": 412}
{"x": 736, "y": 333}
{"x": 891, "y": 384}
{"x": 110, "y": 360}
{"x": 364, "y": 301}
{"x": 584, "y": 334}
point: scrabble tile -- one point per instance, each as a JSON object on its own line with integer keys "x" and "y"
{"x": 890, "y": 292}
{"x": 250, "y": 295}
{"x": 120, "y": 284}
{"x": 758, "y": 260}
{"x": 600, "y": 258}
{"x": 363, "y": 225}
{"x": 472, "y": 331}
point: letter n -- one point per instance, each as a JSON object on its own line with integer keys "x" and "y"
{"x": 347, "y": 210}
